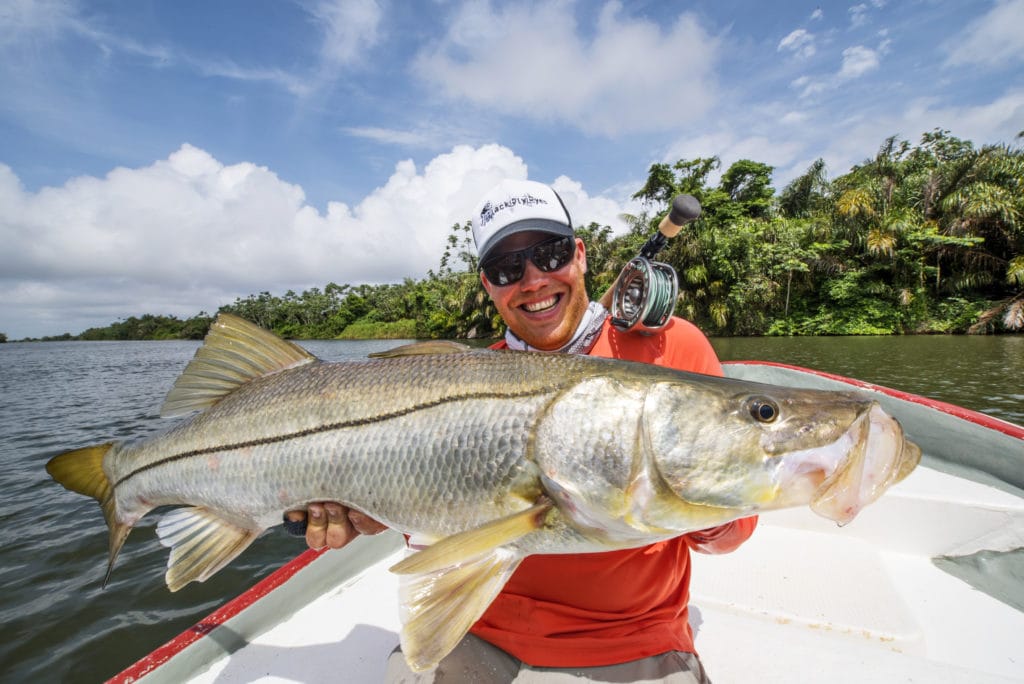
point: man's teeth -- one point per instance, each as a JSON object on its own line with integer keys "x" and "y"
{"x": 534, "y": 307}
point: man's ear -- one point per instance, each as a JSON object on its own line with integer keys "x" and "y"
{"x": 486, "y": 283}
{"x": 581, "y": 253}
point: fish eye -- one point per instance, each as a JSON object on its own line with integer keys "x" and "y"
{"x": 763, "y": 410}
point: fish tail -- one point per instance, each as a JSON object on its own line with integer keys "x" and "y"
{"x": 81, "y": 471}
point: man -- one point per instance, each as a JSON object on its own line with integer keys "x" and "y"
{"x": 614, "y": 616}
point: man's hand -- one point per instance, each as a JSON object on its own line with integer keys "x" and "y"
{"x": 331, "y": 524}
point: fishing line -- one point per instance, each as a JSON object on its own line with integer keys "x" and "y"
{"x": 645, "y": 295}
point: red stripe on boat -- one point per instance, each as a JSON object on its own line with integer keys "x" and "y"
{"x": 215, "y": 619}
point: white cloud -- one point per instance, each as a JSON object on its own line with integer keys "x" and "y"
{"x": 993, "y": 40}
{"x": 350, "y": 28}
{"x": 189, "y": 233}
{"x": 858, "y": 15}
{"x": 532, "y": 61}
{"x": 800, "y": 42}
{"x": 817, "y": 14}
{"x": 857, "y": 61}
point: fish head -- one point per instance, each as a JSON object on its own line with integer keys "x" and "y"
{"x": 732, "y": 445}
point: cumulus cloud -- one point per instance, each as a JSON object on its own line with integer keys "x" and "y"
{"x": 993, "y": 40}
{"x": 189, "y": 233}
{"x": 533, "y": 61}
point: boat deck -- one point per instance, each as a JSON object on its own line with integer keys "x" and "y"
{"x": 801, "y": 601}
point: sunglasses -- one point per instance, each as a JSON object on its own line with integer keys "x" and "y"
{"x": 548, "y": 256}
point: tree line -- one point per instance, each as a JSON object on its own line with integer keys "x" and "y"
{"x": 924, "y": 238}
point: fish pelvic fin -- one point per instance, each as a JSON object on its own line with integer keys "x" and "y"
{"x": 201, "y": 543}
{"x": 81, "y": 471}
{"x": 235, "y": 352}
{"x": 423, "y": 348}
{"x": 446, "y": 587}
{"x": 472, "y": 543}
{"x": 438, "y": 608}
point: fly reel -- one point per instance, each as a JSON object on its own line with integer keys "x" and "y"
{"x": 644, "y": 296}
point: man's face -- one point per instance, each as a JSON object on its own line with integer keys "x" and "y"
{"x": 543, "y": 309}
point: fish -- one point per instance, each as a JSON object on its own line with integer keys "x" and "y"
{"x": 481, "y": 457}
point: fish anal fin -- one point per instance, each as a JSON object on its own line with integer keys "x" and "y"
{"x": 467, "y": 545}
{"x": 81, "y": 471}
{"x": 423, "y": 348}
{"x": 201, "y": 543}
{"x": 440, "y": 607}
{"x": 235, "y": 352}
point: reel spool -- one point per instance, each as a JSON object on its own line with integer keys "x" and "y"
{"x": 644, "y": 296}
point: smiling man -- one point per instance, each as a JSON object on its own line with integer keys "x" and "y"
{"x": 600, "y": 617}
{"x": 532, "y": 265}
{"x": 615, "y": 616}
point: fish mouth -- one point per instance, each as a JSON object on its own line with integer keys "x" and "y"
{"x": 852, "y": 472}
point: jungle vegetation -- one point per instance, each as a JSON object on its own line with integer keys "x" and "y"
{"x": 924, "y": 238}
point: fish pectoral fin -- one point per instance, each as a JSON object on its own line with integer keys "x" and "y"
{"x": 439, "y": 607}
{"x": 201, "y": 544}
{"x": 460, "y": 547}
{"x": 423, "y": 348}
{"x": 235, "y": 351}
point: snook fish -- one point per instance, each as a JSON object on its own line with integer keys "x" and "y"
{"x": 489, "y": 456}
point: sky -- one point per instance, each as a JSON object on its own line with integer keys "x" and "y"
{"x": 168, "y": 157}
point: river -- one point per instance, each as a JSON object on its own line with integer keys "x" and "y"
{"x": 60, "y": 625}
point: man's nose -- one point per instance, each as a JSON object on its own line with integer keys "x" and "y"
{"x": 533, "y": 277}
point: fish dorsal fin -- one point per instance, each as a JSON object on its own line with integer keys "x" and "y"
{"x": 423, "y": 348}
{"x": 235, "y": 351}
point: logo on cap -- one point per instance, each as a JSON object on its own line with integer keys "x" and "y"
{"x": 489, "y": 211}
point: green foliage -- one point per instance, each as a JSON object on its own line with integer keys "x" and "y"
{"x": 404, "y": 329}
{"x": 925, "y": 238}
{"x": 150, "y": 327}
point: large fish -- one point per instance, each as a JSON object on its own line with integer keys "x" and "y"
{"x": 489, "y": 456}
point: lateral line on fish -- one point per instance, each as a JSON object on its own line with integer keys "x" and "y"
{"x": 328, "y": 428}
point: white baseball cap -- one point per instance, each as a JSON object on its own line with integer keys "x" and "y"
{"x": 518, "y": 206}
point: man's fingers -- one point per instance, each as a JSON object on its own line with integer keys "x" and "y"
{"x": 339, "y": 529}
{"x": 316, "y": 526}
{"x": 331, "y": 524}
{"x": 364, "y": 524}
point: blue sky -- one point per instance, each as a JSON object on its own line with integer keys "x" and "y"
{"x": 167, "y": 157}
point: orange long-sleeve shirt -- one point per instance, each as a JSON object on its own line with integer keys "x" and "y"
{"x": 605, "y": 608}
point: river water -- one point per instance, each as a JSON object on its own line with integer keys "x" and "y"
{"x": 60, "y": 625}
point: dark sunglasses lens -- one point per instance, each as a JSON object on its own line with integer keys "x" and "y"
{"x": 551, "y": 256}
{"x": 547, "y": 257}
{"x": 506, "y": 269}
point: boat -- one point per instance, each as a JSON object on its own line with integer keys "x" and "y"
{"x": 925, "y": 585}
